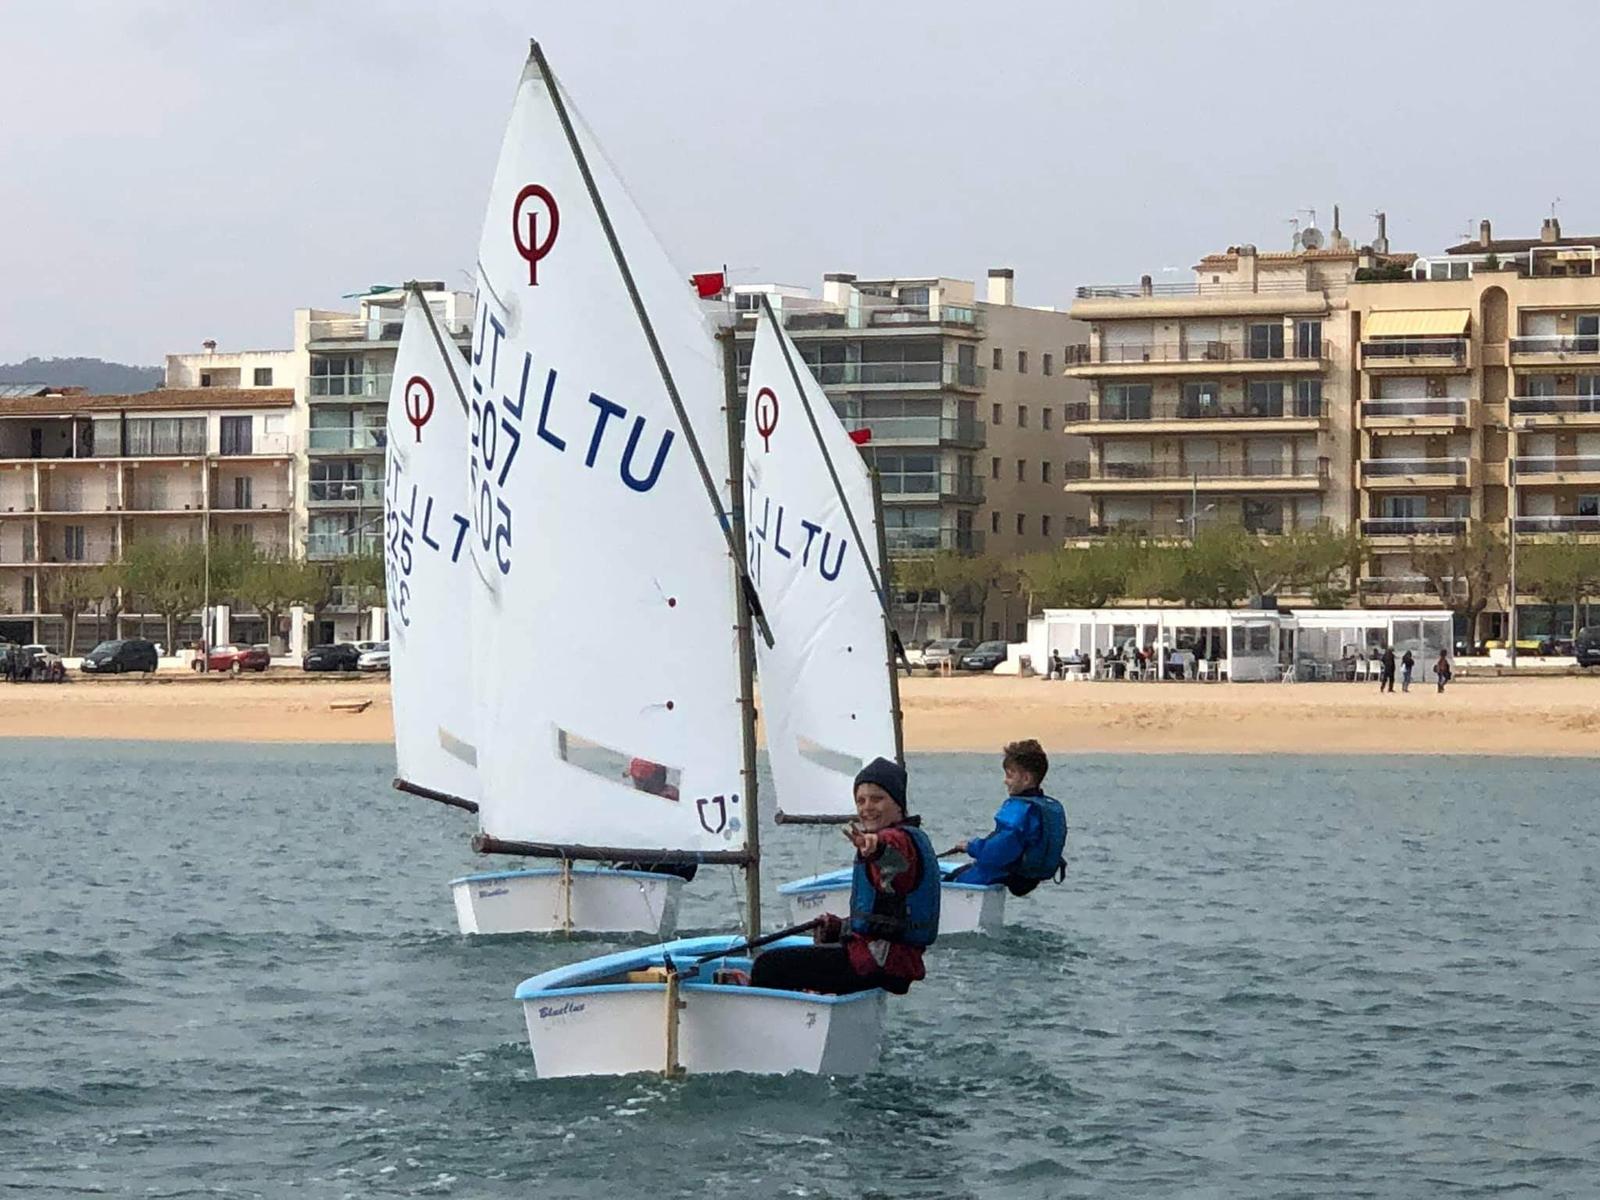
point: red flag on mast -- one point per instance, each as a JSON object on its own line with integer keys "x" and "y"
{"x": 861, "y": 436}
{"x": 710, "y": 285}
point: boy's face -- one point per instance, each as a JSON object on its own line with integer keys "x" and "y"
{"x": 1018, "y": 780}
{"x": 875, "y": 808}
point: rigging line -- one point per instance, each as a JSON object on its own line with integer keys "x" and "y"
{"x": 735, "y": 551}
{"x": 448, "y": 355}
{"x": 827, "y": 458}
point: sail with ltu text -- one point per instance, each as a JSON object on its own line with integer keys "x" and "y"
{"x": 827, "y": 687}
{"x": 602, "y": 593}
{"x": 426, "y": 565}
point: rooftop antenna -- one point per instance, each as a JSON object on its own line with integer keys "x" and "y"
{"x": 1553, "y": 204}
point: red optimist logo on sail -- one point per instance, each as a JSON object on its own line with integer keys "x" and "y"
{"x": 525, "y": 214}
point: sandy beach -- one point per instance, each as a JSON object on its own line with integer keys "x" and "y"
{"x": 1500, "y": 716}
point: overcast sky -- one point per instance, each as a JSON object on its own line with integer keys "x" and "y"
{"x": 180, "y": 171}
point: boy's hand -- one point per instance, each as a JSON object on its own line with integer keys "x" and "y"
{"x": 960, "y": 847}
{"x": 866, "y": 844}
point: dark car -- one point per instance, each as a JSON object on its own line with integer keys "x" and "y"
{"x": 1586, "y": 646}
{"x": 123, "y": 654}
{"x": 339, "y": 657}
{"x": 986, "y": 657}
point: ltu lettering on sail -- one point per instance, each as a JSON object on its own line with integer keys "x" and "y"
{"x": 559, "y": 1010}
{"x": 791, "y": 535}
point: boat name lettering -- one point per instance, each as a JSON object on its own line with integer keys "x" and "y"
{"x": 765, "y": 522}
{"x": 559, "y": 1010}
{"x": 485, "y": 891}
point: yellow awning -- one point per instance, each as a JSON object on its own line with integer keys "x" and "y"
{"x": 1438, "y": 322}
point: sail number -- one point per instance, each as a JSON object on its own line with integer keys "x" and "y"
{"x": 496, "y": 436}
{"x": 416, "y": 525}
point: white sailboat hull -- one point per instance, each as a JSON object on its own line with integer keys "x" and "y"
{"x": 963, "y": 907}
{"x": 541, "y": 900}
{"x": 588, "y": 1019}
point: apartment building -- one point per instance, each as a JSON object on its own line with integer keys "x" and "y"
{"x": 1228, "y": 398}
{"x": 83, "y": 476}
{"x": 966, "y": 405}
{"x": 1480, "y": 403}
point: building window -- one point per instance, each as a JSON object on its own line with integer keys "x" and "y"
{"x": 1044, "y": 472}
{"x": 994, "y": 631}
{"x": 72, "y": 543}
{"x": 205, "y": 378}
{"x": 994, "y": 522}
{"x": 244, "y": 533}
{"x": 1022, "y": 362}
{"x": 1264, "y": 341}
{"x": 1201, "y": 400}
{"x": 1022, "y": 416}
{"x": 149, "y": 436}
{"x": 1020, "y": 632}
{"x": 1125, "y": 402}
{"x": 914, "y": 297}
{"x": 999, "y": 359}
{"x": 1264, "y": 398}
{"x": 1049, "y": 363}
{"x": 996, "y": 415}
{"x": 1308, "y": 398}
{"x": 263, "y": 376}
{"x": 1044, "y": 525}
{"x": 994, "y": 468}
{"x": 1022, "y": 470}
{"x": 241, "y": 491}
{"x": 1046, "y": 415}
{"x": 1022, "y": 520}
{"x": 235, "y": 435}
{"x": 1308, "y": 339}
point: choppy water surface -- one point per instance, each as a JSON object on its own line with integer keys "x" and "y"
{"x": 233, "y": 971}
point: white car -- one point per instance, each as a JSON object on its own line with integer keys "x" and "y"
{"x": 375, "y": 658}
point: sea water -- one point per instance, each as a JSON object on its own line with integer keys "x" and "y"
{"x": 233, "y": 971}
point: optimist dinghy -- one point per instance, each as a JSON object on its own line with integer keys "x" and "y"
{"x": 963, "y": 907}
{"x": 608, "y": 549}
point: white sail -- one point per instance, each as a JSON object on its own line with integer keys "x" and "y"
{"x": 427, "y": 565}
{"x": 602, "y": 603}
{"x": 825, "y": 691}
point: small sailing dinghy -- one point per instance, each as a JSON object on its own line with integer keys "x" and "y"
{"x": 428, "y": 564}
{"x": 830, "y": 690}
{"x": 608, "y": 545}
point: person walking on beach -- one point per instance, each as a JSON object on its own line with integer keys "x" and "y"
{"x": 1441, "y": 670}
{"x": 1406, "y": 664}
{"x": 1386, "y": 670}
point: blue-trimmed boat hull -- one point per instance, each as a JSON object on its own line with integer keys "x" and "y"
{"x": 963, "y": 907}
{"x": 538, "y": 900}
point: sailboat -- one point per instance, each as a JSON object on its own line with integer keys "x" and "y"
{"x": 611, "y": 612}
{"x": 830, "y": 686}
{"x": 428, "y": 565}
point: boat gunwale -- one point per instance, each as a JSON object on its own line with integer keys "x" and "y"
{"x": 577, "y": 872}
{"x": 839, "y": 880}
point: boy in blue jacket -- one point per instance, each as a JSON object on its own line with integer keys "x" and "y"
{"x": 1030, "y": 830}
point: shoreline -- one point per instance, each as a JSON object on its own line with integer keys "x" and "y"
{"x": 1549, "y": 716}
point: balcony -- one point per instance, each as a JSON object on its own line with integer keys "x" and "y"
{"x": 348, "y": 387}
{"x": 342, "y": 545}
{"x": 1557, "y": 468}
{"x": 343, "y": 441}
{"x": 1557, "y": 525}
{"x": 1410, "y": 527}
{"x": 879, "y": 315}
{"x": 345, "y": 491}
{"x": 381, "y": 328}
{"x": 1442, "y": 412}
{"x": 1413, "y": 587}
{"x": 922, "y": 431}
{"x": 1261, "y": 474}
{"x": 1411, "y": 353}
{"x": 911, "y": 542}
{"x": 1285, "y": 415}
{"x": 1416, "y": 472}
{"x": 144, "y": 502}
{"x": 1529, "y": 411}
{"x": 1167, "y": 528}
{"x": 945, "y": 487}
{"x": 272, "y": 502}
{"x": 1192, "y": 358}
{"x": 965, "y": 376}
{"x": 1552, "y": 348}
{"x": 267, "y": 445}
{"x": 1145, "y": 289}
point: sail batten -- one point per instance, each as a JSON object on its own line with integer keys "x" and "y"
{"x": 602, "y": 603}
{"x": 813, "y": 555}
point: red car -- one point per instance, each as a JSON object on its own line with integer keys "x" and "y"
{"x": 235, "y": 659}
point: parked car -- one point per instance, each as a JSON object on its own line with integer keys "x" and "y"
{"x": 235, "y": 659}
{"x": 340, "y": 656}
{"x": 43, "y": 664}
{"x": 936, "y": 654}
{"x": 986, "y": 657}
{"x": 1586, "y": 646}
{"x": 376, "y": 659}
{"x": 119, "y": 655}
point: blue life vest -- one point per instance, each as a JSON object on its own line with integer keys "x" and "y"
{"x": 913, "y": 918}
{"x": 1043, "y": 856}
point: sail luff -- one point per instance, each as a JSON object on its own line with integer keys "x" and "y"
{"x": 444, "y": 353}
{"x": 695, "y": 451}
{"x": 893, "y": 651}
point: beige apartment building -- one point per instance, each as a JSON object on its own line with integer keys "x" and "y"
{"x": 1408, "y": 396}
{"x": 966, "y": 403}
{"x": 81, "y": 477}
